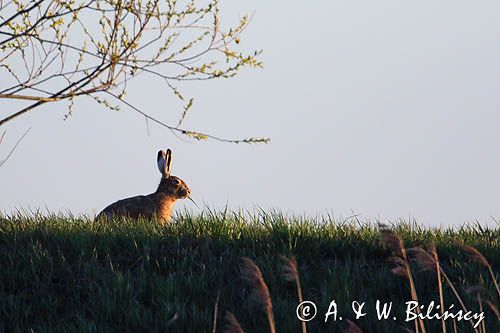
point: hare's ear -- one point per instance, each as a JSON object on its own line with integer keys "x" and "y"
{"x": 168, "y": 163}
{"x": 162, "y": 162}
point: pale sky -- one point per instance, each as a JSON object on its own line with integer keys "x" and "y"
{"x": 387, "y": 109}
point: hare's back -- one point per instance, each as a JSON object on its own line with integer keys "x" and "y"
{"x": 134, "y": 207}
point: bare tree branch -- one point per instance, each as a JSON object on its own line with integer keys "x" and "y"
{"x": 53, "y": 51}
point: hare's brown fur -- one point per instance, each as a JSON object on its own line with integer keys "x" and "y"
{"x": 159, "y": 204}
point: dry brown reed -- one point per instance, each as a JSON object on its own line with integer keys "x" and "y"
{"x": 253, "y": 275}
{"x": 478, "y": 257}
{"x": 429, "y": 261}
{"x": 232, "y": 324}
{"x": 395, "y": 243}
{"x": 291, "y": 274}
{"x": 494, "y": 309}
{"x": 483, "y": 324}
{"x": 434, "y": 255}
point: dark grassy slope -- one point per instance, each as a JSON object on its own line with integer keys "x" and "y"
{"x": 64, "y": 274}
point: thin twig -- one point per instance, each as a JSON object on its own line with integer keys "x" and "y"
{"x": 2, "y": 162}
{"x": 185, "y": 131}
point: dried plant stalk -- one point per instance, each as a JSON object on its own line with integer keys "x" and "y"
{"x": 395, "y": 242}
{"x": 433, "y": 252}
{"x": 477, "y": 256}
{"x": 291, "y": 274}
{"x": 494, "y": 309}
{"x": 428, "y": 262}
{"x": 252, "y": 274}
{"x": 216, "y": 310}
{"x": 232, "y": 324}
{"x": 483, "y": 325}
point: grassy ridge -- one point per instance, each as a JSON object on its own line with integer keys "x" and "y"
{"x": 67, "y": 274}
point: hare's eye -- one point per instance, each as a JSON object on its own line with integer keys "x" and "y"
{"x": 175, "y": 181}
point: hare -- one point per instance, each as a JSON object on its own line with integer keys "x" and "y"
{"x": 158, "y": 204}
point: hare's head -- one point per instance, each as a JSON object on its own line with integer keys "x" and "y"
{"x": 169, "y": 184}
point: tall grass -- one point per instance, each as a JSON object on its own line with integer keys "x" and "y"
{"x": 60, "y": 273}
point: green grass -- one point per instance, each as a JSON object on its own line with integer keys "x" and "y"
{"x": 62, "y": 274}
